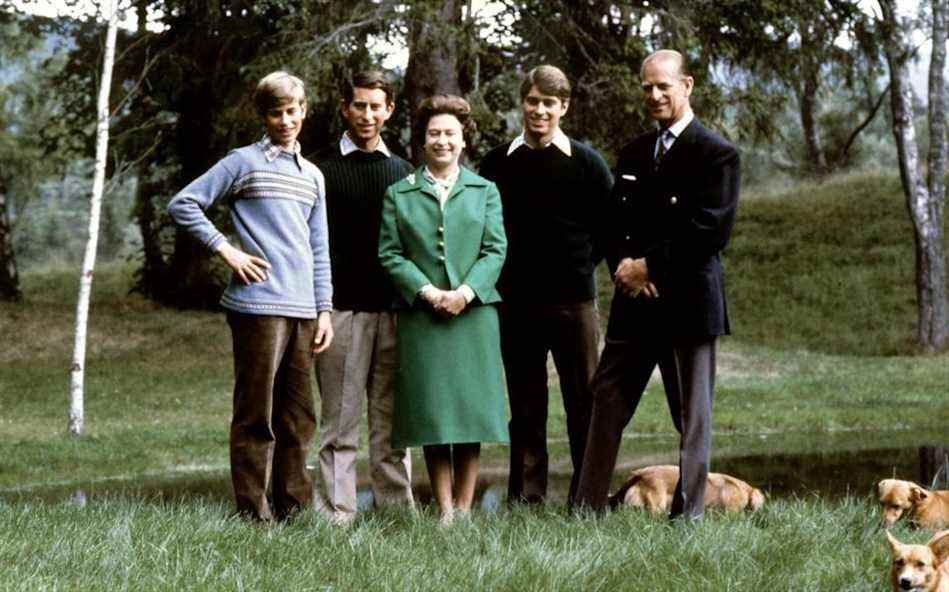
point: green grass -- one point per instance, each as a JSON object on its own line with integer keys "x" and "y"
{"x": 821, "y": 292}
{"x": 828, "y": 268}
{"x": 186, "y": 544}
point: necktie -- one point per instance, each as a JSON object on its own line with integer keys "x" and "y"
{"x": 661, "y": 151}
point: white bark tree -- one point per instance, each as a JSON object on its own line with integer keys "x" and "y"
{"x": 924, "y": 191}
{"x": 77, "y": 371}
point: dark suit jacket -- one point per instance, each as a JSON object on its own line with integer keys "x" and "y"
{"x": 679, "y": 218}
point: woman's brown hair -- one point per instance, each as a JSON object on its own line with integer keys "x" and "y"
{"x": 445, "y": 105}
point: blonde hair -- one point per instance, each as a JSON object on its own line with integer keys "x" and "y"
{"x": 276, "y": 89}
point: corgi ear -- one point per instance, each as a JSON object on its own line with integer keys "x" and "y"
{"x": 939, "y": 545}
{"x": 894, "y": 544}
{"x": 917, "y": 494}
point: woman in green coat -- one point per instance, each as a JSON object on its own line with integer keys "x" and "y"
{"x": 442, "y": 242}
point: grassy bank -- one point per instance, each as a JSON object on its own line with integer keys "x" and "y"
{"x": 828, "y": 268}
{"x": 140, "y": 545}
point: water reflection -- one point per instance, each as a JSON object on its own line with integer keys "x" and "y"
{"x": 826, "y": 465}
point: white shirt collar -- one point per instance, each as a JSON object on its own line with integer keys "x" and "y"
{"x": 679, "y": 126}
{"x": 347, "y": 146}
{"x": 272, "y": 151}
{"x": 442, "y": 186}
{"x": 560, "y": 140}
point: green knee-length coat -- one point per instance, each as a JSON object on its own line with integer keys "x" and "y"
{"x": 449, "y": 388}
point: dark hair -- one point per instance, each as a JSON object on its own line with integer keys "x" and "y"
{"x": 445, "y": 105}
{"x": 368, "y": 79}
{"x": 550, "y": 80}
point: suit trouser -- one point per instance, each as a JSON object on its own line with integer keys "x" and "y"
{"x": 273, "y": 418}
{"x": 361, "y": 364}
{"x": 689, "y": 376}
{"x": 570, "y": 333}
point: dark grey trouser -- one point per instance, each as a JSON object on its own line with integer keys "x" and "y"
{"x": 688, "y": 371}
{"x": 273, "y": 418}
{"x": 570, "y": 332}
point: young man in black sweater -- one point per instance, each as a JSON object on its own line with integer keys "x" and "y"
{"x": 362, "y": 363}
{"x": 554, "y": 192}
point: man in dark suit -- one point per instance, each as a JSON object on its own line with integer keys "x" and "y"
{"x": 675, "y": 197}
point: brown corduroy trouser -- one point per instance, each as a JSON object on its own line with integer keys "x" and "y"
{"x": 273, "y": 417}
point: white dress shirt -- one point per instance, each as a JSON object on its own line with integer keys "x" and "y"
{"x": 559, "y": 139}
{"x": 669, "y": 135}
{"x": 347, "y": 146}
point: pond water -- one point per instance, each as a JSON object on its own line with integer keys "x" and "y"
{"x": 782, "y": 465}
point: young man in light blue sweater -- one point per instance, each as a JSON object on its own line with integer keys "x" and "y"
{"x": 279, "y": 298}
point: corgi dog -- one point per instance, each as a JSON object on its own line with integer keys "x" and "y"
{"x": 652, "y": 488}
{"x": 920, "y": 568}
{"x": 925, "y": 507}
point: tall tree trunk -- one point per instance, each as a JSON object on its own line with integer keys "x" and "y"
{"x": 189, "y": 281}
{"x": 433, "y": 55}
{"x": 809, "y": 106}
{"x": 76, "y": 407}
{"x": 9, "y": 278}
{"x": 924, "y": 203}
{"x": 150, "y": 277}
{"x": 935, "y": 326}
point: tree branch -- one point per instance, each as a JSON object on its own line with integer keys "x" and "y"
{"x": 870, "y": 117}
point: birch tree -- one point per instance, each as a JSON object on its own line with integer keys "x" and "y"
{"x": 76, "y": 412}
{"x": 924, "y": 192}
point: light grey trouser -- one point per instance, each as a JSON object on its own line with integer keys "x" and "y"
{"x": 360, "y": 365}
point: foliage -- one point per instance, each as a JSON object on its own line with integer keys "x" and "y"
{"x": 27, "y": 109}
{"x": 187, "y": 77}
{"x": 600, "y": 51}
{"x": 51, "y": 228}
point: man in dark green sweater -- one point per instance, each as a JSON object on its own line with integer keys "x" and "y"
{"x": 554, "y": 192}
{"x": 362, "y": 363}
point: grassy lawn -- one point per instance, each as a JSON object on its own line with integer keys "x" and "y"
{"x": 129, "y": 544}
{"x": 821, "y": 294}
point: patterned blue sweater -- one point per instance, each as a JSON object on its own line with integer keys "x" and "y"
{"x": 278, "y": 205}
